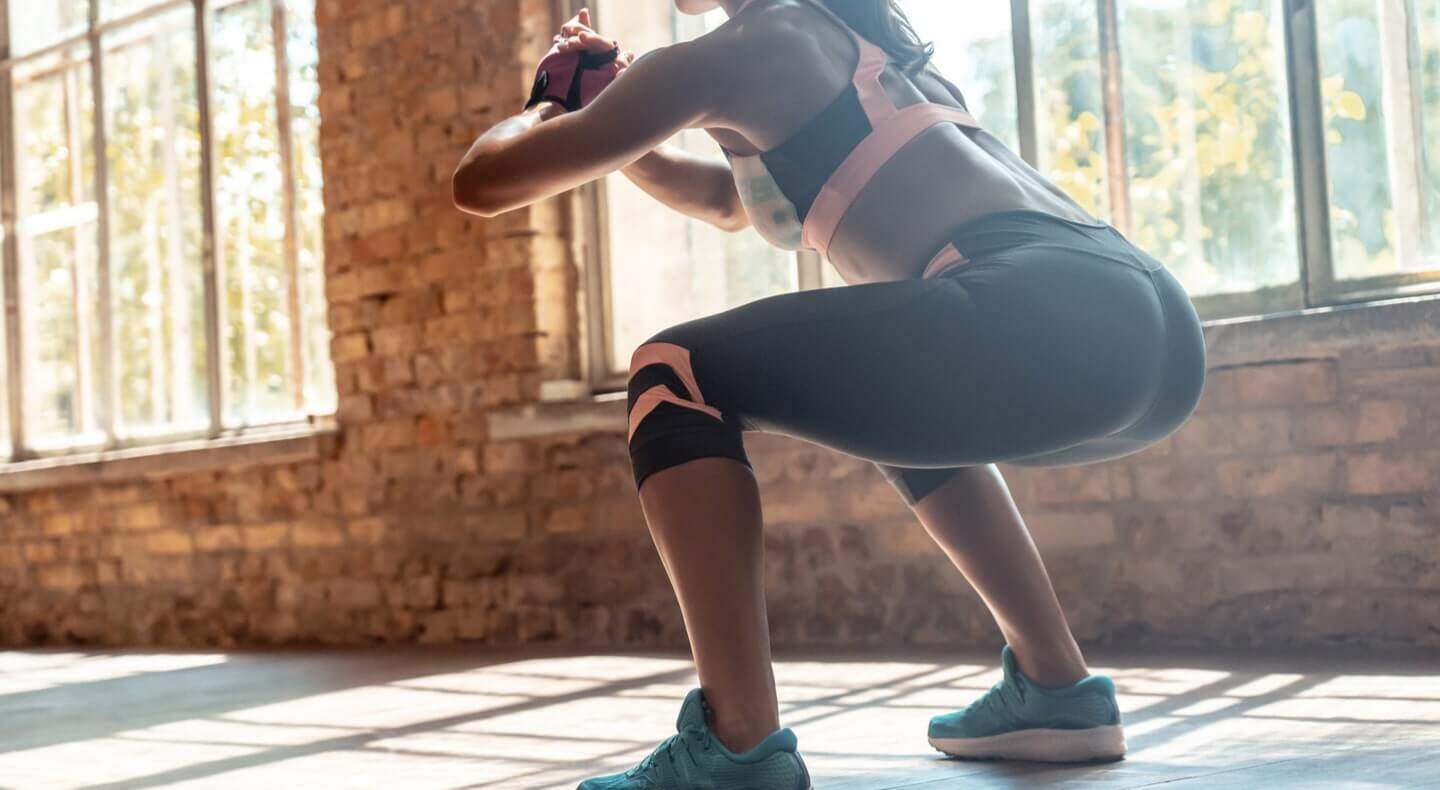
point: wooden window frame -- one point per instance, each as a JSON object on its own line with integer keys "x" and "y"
{"x": 102, "y": 412}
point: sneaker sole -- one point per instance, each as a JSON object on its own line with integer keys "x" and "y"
{"x": 1096, "y": 744}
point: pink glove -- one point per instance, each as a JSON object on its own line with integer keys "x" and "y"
{"x": 574, "y": 79}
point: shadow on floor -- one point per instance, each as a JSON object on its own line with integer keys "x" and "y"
{"x": 466, "y": 718}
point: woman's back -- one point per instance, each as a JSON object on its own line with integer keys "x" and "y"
{"x": 945, "y": 176}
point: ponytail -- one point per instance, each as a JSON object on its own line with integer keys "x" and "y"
{"x": 885, "y": 25}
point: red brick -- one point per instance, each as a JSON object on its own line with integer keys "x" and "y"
{"x": 169, "y": 542}
{"x": 1165, "y": 481}
{"x": 217, "y": 538}
{"x": 316, "y": 533}
{"x": 1391, "y": 473}
{"x": 1275, "y": 476}
{"x": 142, "y": 516}
{"x": 263, "y": 537}
{"x": 1280, "y": 384}
{"x": 1073, "y": 485}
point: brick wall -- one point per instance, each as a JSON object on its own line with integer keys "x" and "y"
{"x": 1298, "y": 506}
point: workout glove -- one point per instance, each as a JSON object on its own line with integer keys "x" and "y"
{"x": 574, "y": 79}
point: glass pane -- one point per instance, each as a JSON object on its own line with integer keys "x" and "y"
{"x": 665, "y": 268}
{"x": 56, "y": 234}
{"x": 34, "y": 24}
{"x": 6, "y": 447}
{"x": 112, "y": 9}
{"x": 1208, "y": 141}
{"x": 1069, "y": 108}
{"x": 1428, "y": 19}
{"x": 974, "y": 50}
{"x": 301, "y": 57}
{"x": 249, "y": 201}
{"x": 1379, "y": 70}
{"x": 153, "y": 152}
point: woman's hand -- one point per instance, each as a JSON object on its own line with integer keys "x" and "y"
{"x": 578, "y": 35}
{"x": 696, "y": 186}
{"x": 578, "y": 68}
{"x": 527, "y": 158}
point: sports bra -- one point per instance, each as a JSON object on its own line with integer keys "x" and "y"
{"x": 798, "y": 192}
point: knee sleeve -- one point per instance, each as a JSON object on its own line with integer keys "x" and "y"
{"x": 670, "y": 422}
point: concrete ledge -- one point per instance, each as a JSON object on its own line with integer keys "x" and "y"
{"x": 589, "y": 414}
{"x": 1323, "y": 331}
{"x": 290, "y": 444}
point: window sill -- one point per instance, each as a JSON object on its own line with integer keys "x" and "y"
{"x": 278, "y": 445}
{"x": 588, "y": 413}
{"x": 1322, "y": 330}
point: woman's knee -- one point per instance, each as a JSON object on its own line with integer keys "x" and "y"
{"x": 670, "y": 421}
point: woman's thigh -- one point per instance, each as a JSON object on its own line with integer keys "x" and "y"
{"x": 1002, "y": 360}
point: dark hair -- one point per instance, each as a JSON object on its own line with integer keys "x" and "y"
{"x": 887, "y": 27}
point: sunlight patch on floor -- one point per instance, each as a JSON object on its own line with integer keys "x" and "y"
{"x": 550, "y": 722}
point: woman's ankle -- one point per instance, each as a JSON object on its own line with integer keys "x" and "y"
{"x": 1047, "y": 669}
{"x": 742, "y": 735}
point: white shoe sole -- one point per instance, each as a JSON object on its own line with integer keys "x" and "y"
{"x": 1096, "y": 744}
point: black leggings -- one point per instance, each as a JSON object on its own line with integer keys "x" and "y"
{"x": 1059, "y": 343}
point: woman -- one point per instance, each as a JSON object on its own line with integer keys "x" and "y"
{"x": 987, "y": 318}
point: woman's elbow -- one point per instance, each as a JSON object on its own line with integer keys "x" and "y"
{"x": 732, "y": 218}
{"x": 469, "y": 193}
{"x": 734, "y": 223}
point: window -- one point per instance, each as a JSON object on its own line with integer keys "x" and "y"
{"x": 676, "y": 267}
{"x": 1276, "y": 155}
{"x": 163, "y": 254}
{"x": 1380, "y": 87}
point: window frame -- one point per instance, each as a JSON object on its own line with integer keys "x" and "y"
{"x": 598, "y": 364}
{"x": 107, "y": 392}
{"x": 1316, "y": 285}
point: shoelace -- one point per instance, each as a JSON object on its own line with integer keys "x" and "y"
{"x": 1002, "y": 696}
{"x": 667, "y": 748}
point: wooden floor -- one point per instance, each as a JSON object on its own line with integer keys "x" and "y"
{"x": 449, "y": 718}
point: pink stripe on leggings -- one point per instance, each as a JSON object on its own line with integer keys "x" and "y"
{"x": 656, "y": 395}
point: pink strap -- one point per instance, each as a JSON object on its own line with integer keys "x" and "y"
{"x": 866, "y": 160}
{"x": 871, "y": 65}
{"x": 656, "y": 395}
{"x": 944, "y": 260}
{"x": 677, "y": 358}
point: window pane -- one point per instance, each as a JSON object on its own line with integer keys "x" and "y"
{"x": 56, "y": 234}
{"x": 153, "y": 153}
{"x": 111, "y": 9}
{"x": 6, "y": 447}
{"x": 1208, "y": 141}
{"x": 1427, "y": 17}
{"x": 974, "y": 50}
{"x": 37, "y": 23}
{"x": 664, "y": 268}
{"x": 1380, "y": 108}
{"x": 250, "y": 209}
{"x": 1069, "y": 108}
{"x": 301, "y": 57}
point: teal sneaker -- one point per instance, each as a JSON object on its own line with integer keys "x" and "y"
{"x": 1018, "y": 720}
{"x": 694, "y": 759}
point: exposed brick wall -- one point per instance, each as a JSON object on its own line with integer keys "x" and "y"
{"x": 1298, "y": 506}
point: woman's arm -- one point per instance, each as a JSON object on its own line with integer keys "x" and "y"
{"x": 693, "y": 185}
{"x": 545, "y": 151}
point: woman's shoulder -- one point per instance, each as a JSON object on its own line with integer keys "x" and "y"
{"x": 772, "y": 39}
{"x": 768, "y": 23}
{"x": 748, "y": 51}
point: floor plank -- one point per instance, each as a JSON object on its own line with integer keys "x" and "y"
{"x": 453, "y": 718}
